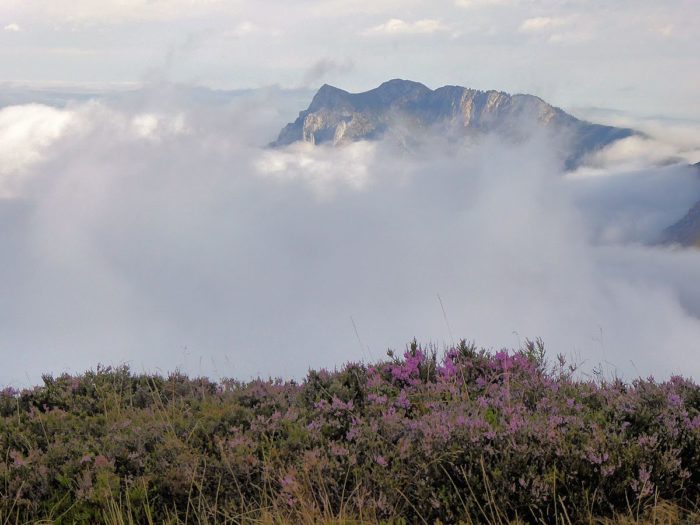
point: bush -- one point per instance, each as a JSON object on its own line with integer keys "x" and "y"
{"x": 467, "y": 436}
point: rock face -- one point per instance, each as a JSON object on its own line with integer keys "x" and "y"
{"x": 686, "y": 231}
{"x": 405, "y": 110}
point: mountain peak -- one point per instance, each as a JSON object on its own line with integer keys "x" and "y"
{"x": 406, "y": 109}
{"x": 400, "y": 81}
{"x": 401, "y": 85}
{"x": 394, "y": 91}
{"x": 327, "y": 95}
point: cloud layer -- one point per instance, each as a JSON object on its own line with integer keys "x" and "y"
{"x": 155, "y": 230}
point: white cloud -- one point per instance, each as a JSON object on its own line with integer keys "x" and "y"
{"x": 244, "y": 29}
{"x": 326, "y": 170}
{"x": 14, "y": 28}
{"x": 155, "y": 127}
{"x": 29, "y": 133}
{"x": 255, "y": 260}
{"x": 396, "y": 26}
{"x": 634, "y": 153}
{"x": 571, "y": 29}
{"x": 25, "y": 134}
{"x": 541, "y": 23}
{"x": 666, "y": 138}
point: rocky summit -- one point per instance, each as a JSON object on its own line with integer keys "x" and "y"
{"x": 407, "y": 111}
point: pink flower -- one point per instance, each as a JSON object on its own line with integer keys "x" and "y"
{"x": 381, "y": 461}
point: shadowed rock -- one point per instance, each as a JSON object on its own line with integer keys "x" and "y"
{"x": 686, "y": 231}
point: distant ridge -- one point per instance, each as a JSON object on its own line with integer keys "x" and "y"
{"x": 406, "y": 110}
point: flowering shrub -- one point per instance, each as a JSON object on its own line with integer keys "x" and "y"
{"x": 464, "y": 436}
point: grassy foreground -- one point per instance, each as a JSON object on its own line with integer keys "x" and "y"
{"x": 466, "y": 437}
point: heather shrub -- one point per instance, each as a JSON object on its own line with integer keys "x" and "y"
{"x": 463, "y": 435}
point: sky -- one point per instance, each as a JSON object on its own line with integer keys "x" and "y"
{"x": 632, "y": 55}
{"x": 150, "y": 225}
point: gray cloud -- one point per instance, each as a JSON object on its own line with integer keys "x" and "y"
{"x": 324, "y": 68}
{"x": 155, "y": 230}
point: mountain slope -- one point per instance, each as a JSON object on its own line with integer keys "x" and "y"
{"x": 686, "y": 231}
{"x": 406, "y": 110}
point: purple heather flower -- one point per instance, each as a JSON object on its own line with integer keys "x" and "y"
{"x": 674, "y": 400}
{"x": 381, "y": 461}
{"x": 402, "y": 400}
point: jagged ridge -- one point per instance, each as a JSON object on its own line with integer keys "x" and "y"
{"x": 404, "y": 108}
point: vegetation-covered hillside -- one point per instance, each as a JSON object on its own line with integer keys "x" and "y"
{"x": 465, "y": 436}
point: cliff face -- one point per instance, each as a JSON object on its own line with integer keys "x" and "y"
{"x": 406, "y": 109}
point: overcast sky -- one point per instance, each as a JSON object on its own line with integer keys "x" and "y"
{"x": 633, "y": 55}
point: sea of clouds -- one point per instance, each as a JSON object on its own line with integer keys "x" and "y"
{"x": 155, "y": 228}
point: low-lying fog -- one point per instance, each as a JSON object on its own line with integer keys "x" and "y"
{"x": 156, "y": 229}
